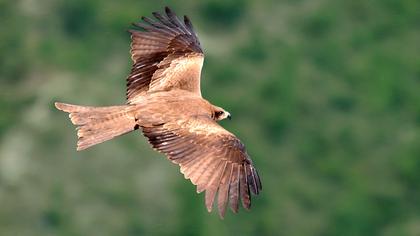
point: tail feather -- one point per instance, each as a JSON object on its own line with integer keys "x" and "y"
{"x": 99, "y": 124}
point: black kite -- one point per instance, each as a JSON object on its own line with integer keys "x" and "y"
{"x": 164, "y": 101}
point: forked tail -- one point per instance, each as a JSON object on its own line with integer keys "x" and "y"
{"x": 99, "y": 124}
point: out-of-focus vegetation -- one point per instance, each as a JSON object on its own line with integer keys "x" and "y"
{"x": 325, "y": 94}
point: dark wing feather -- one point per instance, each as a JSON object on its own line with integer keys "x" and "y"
{"x": 224, "y": 189}
{"x": 166, "y": 55}
{"x": 211, "y": 157}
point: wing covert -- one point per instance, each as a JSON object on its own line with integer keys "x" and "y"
{"x": 166, "y": 54}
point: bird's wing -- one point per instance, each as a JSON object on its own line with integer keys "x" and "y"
{"x": 211, "y": 157}
{"x": 166, "y": 55}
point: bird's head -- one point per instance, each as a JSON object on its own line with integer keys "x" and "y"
{"x": 220, "y": 114}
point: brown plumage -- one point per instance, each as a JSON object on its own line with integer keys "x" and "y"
{"x": 164, "y": 101}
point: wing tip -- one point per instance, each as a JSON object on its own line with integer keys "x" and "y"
{"x": 168, "y": 10}
{"x": 234, "y": 209}
{"x": 222, "y": 210}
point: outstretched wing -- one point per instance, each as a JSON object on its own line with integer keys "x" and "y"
{"x": 211, "y": 157}
{"x": 166, "y": 55}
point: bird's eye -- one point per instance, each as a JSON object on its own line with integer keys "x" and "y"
{"x": 218, "y": 113}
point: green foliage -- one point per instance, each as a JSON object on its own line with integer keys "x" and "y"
{"x": 324, "y": 94}
{"x": 223, "y": 14}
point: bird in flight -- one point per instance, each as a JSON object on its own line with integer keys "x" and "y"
{"x": 164, "y": 101}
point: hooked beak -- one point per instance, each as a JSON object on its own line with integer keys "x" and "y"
{"x": 229, "y": 117}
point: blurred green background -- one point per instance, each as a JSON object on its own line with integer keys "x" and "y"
{"x": 325, "y": 94}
